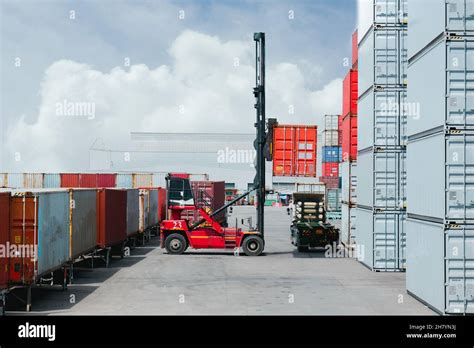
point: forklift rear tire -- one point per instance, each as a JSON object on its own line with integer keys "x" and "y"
{"x": 253, "y": 246}
{"x": 175, "y": 244}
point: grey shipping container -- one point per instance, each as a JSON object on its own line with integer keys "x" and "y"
{"x": 381, "y": 239}
{"x": 133, "y": 211}
{"x": 82, "y": 222}
{"x": 440, "y": 265}
{"x": 348, "y": 171}
{"x": 383, "y": 186}
{"x": 383, "y": 119}
{"x": 441, "y": 176}
{"x": 348, "y": 225}
{"x": 430, "y": 18}
{"x": 441, "y": 86}
{"x": 333, "y": 199}
{"x": 124, "y": 180}
{"x": 383, "y": 59}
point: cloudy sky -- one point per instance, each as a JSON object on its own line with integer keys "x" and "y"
{"x": 78, "y": 73}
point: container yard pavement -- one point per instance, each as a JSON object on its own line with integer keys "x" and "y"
{"x": 282, "y": 281}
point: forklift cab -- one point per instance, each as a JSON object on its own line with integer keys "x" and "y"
{"x": 180, "y": 193}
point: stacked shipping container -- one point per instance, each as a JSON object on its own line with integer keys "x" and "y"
{"x": 382, "y": 133}
{"x": 331, "y": 157}
{"x": 440, "y": 155}
{"x": 348, "y": 166}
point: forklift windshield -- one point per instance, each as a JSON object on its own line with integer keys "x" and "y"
{"x": 179, "y": 192}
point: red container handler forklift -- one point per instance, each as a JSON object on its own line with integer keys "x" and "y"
{"x": 177, "y": 234}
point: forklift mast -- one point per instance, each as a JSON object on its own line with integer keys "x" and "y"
{"x": 260, "y": 141}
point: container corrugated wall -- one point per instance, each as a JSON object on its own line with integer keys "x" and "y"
{"x": 15, "y": 180}
{"x": 153, "y": 207}
{"x": 440, "y": 162}
{"x": 111, "y": 217}
{"x": 83, "y": 222}
{"x": 383, "y": 184}
{"x": 106, "y": 180}
{"x": 382, "y": 114}
{"x": 382, "y": 239}
{"x": 33, "y": 180}
{"x": 142, "y": 180}
{"x": 349, "y": 182}
{"x": 348, "y": 227}
{"x": 144, "y": 207}
{"x": 124, "y": 180}
{"x": 441, "y": 265}
{"x": 51, "y": 180}
{"x": 69, "y": 180}
{"x": 133, "y": 211}
{"x": 43, "y": 219}
{"x": 333, "y": 200}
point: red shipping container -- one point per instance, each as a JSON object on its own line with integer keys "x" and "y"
{"x": 330, "y": 169}
{"x": 355, "y": 50}
{"x": 215, "y": 190}
{"x": 349, "y": 138}
{"x": 106, "y": 180}
{"x": 294, "y": 150}
{"x": 350, "y": 93}
{"x": 4, "y": 236}
{"x": 88, "y": 180}
{"x": 69, "y": 180}
{"x": 111, "y": 217}
{"x": 331, "y": 182}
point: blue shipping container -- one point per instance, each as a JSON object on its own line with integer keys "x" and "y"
{"x": 51, "y": 180}
{"x": 332, "y": 154}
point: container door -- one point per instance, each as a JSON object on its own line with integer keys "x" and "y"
{"x": 24, "y": 238}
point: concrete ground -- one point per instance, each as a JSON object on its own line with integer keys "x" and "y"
{"x": 282, "y": 281}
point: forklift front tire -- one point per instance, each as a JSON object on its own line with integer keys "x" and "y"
{"x": 175, "y": 244}
{"x": 253, "y": 246}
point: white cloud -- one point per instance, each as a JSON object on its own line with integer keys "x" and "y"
{"x": 206, "y": 88}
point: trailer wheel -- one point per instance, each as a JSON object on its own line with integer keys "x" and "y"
{"x": 253, "y": 246}
{"x": 175, "y": 244}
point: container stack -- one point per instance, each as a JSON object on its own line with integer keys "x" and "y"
{"x": 348, "y": 166}
{"x": 331, "y": 157}
{"x": 381, "y": 126}
{"x": 440, "y": 162}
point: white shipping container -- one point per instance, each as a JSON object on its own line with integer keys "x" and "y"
{"x": 384, "y": 120}
{"x": 430, "y": 18}
{"x": 440, "y": 266}
{"x": 441, "y": 176}
{"x": 348, "y": 225}
{"x": 441, "y": 86}
{"x": 382, "y": 183}
{"x": 348, "y": 172}
{"x": 381, "y": 239}
{"x": 383, "y": 59}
